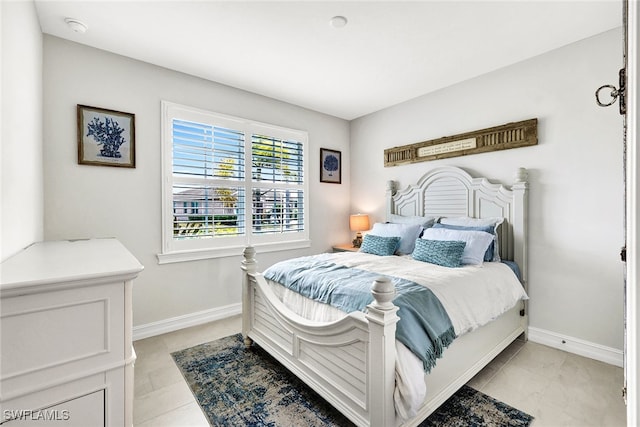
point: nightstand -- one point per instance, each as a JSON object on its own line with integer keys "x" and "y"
{"x": 345, "y": 248}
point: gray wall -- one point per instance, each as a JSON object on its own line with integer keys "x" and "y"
{"x": 21, "y": 188}
{"x": 89, "y": 201}
{"x": 576, "y": 195}
{"x": 575, "y": 171}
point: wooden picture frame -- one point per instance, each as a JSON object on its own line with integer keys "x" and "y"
{"x": 503, "y": 137}
{"x": 330, "y": 166}
{"x": 106, "y": 137}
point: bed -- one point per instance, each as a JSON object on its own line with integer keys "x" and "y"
{"x": 318, "y": 351}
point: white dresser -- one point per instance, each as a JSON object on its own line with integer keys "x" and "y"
{"x": 65, "y": 334}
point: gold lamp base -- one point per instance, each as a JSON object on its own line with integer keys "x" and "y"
{"x": 357, "y": 242}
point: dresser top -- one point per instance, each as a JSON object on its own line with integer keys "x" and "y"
{"x": 67, "y": 261}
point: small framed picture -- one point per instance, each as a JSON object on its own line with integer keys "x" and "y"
{"x": 106, "y": 137}
{"x": 330, "y": 166}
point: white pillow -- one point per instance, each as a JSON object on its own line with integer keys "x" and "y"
{"x": 424, "y": 221}
{"x": 477, "y": 242}
{"x": 408, "y": 234}
{"x": 472, "y": 222}
{"x": 466, "y": 221}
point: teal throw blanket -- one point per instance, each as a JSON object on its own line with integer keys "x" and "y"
{"x": 424, "y": 326}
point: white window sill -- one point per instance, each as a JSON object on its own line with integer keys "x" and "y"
{"x": 200, "y": 254}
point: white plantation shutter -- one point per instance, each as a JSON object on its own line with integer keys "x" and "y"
{"x": 228, "y": 183}
{"x": 276, "y": 160}
{"x": 277, "y": 185}
{"x": 284, "y": 211}
{"x": 203, "y": 150}
{"x": 206, "y": 161}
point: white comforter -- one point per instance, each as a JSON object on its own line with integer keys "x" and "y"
{"x": 472, "y": 296}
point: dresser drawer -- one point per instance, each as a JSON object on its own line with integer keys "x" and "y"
{"x": 84, "y": 411}
{"x": 51, "y": 337}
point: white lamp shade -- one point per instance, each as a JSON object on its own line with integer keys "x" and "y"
{"x": 359, "y": 222}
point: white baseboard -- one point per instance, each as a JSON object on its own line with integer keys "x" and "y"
{"x": 185, "y": 321}
{"x": 577, "y": 346}
{"x": 609, "y": 355}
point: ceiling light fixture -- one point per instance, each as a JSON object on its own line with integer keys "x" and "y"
{"x": 338, "y": 21}
{"x": 75, "y": 25}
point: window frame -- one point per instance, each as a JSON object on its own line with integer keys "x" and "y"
{"x": 174, "y": 250}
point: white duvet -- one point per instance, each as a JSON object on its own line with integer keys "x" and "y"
{"x": 472, "y": 295}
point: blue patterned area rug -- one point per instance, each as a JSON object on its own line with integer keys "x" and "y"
{"x": 239, "y": 387}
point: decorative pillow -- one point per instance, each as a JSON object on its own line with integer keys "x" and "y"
{"x": 408, "y": 234}
{"x": 494, "y": 222}
{"x": 489, "y": 254}
{"x": 447, "y": 253}
{"x": 477, "y": 242}
{"x": 472, "y": 222}
{"x": 423, "y": 221}
{"x": 379, "y": 245}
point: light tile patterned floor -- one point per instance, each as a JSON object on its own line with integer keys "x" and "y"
{"x": 557, "y": 388}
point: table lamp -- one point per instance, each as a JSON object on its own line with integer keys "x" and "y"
{"x": 358, "y": 223}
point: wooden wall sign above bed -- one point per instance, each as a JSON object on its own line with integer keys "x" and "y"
{"x": 511, "y": 135}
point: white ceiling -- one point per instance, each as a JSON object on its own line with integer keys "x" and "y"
{"x": 388, "y": 52}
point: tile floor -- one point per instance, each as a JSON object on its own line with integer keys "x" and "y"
{"x": 557, "y": 388}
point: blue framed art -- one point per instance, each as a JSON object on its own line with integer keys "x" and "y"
{"x": 106, "y": 137}
{"x": 330, "y": 166}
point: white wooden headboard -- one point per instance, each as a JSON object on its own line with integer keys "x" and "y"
{"x": 450, "y": 191}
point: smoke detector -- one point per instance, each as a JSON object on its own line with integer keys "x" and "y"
{"x": 75, "y": 25}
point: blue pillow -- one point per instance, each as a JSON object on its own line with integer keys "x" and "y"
{"x": 447, "y": 253}
{"x": 379, "y": 245}
{"x": 489, "y": 254}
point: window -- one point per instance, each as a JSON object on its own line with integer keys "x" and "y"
{"x": 229, "y": 183}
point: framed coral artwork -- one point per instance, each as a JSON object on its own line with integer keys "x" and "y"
{"x": 330, "y": 166}
{"x": 106, "y": 137}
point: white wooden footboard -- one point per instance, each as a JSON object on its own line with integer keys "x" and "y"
{"x": 350, "y": 362}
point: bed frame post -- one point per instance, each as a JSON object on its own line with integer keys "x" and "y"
{"x": 391, "y": 191}
{"x": 382, "y": 319}
{"x": 520, "y": 190}
{"x": 249, "y": 266}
